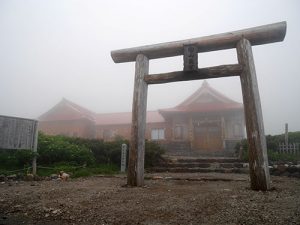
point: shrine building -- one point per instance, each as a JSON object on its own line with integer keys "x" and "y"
{"x": 206, "y": 123}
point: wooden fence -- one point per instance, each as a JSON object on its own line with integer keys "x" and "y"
{"x": 289, "y": 148}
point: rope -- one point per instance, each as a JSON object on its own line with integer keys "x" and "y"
{"x": 13, "y": 171}
{"x": 41, "y": 167}
{"x": 51, "y": 168}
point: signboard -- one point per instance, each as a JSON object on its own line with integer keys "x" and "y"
{"x": 17, "y": 133}
{"x": 123, "y": 157}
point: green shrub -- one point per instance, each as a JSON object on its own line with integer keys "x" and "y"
{"x": 96, "y": 146}
{"x": 54, "y": 149}
{"x": 153, "y": 154}
{"x": 12, "y": 159}
{"x": 245, "y": 153}
{"x": 67, "y": 153}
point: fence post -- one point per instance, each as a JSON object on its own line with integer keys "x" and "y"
{"x": 36, "y": 134}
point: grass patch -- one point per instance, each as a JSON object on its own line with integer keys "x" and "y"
{"x": 74, "y": 171}
{"x": 89, "y": 171}
{"x": 276, "y": 156}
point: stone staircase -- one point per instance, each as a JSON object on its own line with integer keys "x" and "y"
{"x": 203, "y": 164}
{"x": 179, "y": 148}
{"x": 183, "y": 149}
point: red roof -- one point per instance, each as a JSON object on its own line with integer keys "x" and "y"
{"x": 67, "y": 110}
{"x": 205, "y": 99}
{"x": 125, "y": 118}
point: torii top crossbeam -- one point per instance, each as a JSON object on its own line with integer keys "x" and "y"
{"x": 257, "y": 36}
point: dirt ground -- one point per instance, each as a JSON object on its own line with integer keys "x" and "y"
{"x": 175, "y": 199}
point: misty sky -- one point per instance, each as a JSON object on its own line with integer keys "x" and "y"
{"x": 50, "y": 49}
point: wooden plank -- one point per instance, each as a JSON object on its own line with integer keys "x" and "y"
{"x": 135, "y": 176}
{"x": 17, "y": 133}
{"x": 203, "y": 73}
{"x": 257, "y": 36}
{"x": 190, "y": 58}
{"x": 258, "y": 158}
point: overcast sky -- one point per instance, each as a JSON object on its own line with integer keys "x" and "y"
{"x": 50, "y": 49}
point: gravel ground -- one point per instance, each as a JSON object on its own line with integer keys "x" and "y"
{"x": 169, "y": 199}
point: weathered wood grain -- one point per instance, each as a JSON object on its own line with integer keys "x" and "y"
{"x": 17, "y": 133}
{"x": 257, "y": 36}
{"x": 203, "y": 73}
{"x": 258, "y": 158}
{"x": 135, "y": 176}
{"x": 190, "y": 58}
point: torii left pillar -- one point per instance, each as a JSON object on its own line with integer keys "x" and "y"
{"x": 135, "y": 176}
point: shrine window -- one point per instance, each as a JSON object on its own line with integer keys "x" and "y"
{"x": 158, "y": 134}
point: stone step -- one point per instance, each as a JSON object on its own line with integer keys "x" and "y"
{"x": 201, "y": 164}
{"x": 193, "y": 153}
{"x": 198, "y": 170}
{"x": 204, "y": 165}
{"x": 204, "y": 160}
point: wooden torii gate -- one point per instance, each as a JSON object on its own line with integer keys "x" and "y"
{"x": 242, "y": 40}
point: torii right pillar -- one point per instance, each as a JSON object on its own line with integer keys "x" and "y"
{"x": 258, "y": 158}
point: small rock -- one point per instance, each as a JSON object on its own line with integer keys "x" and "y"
{"x": 56, "y": 211}
{"x": 12, "y": 177}
{"x": 292, "y": 169}
{"x": 2, "y": 178}
{"x": 275, "y": 172}
{"x": 287, "y": 174}
{"x": 29, "y": 177}
{"x": 296, "y": 174}
{"x": 53, "y": 176}
{"x": 245, "y": 165}
{"x": 46, "y": 209}
{"x": 282, "y": 168}
{"x": 157, "y": 178}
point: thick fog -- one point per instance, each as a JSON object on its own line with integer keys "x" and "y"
{"x": 57, "y": 48}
